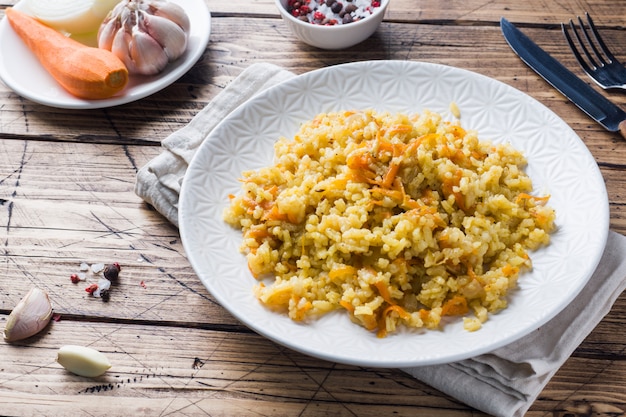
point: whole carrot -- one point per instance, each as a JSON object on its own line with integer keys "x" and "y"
{"x": 85, "y": 72}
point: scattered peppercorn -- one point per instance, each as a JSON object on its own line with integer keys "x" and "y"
{"x": 331, "y": 12}
{"x": 319, "y": 16}
{"x": 108, "y": 273}
{"x": 111, "y": 271}
{"x": 337, "y": 7}
{"x": 350, "y": 8}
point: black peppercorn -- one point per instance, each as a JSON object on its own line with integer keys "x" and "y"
{"x": 336, "y": 8}
{"x": 111, "y": 271}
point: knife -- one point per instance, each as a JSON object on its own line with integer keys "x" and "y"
{"x": 599, "y": 108}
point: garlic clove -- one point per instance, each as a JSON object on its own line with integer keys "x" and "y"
{"x": 106, "y": 34}
{"x": 120, "y": 44}
{"x": 173, "y": 12}
{"x": 31, "y": 315}
{"x": 83, "y": 361}
{"x": 168, "y": 34}
{"x": 146, "y": 55}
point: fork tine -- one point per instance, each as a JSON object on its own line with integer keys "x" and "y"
{"x": 590, "y": 42}
{"x": 599, "y": 39}
{"x": 570, "y": 42}
{"x": 581, "y": 43}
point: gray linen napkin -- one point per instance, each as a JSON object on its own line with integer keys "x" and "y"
{"x": 503, "y": 383}
{"x": 159, "y": 181}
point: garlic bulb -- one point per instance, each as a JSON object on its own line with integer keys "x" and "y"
{"x": 145, "y": 34}
{"x": 29, "y": 317}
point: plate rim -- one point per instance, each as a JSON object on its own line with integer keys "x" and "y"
{"x": 604, "y": 215}
{"x": 153, "y": 86}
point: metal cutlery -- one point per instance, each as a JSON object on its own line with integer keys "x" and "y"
{"x": 596, "y": 59}
{"x": 599, "y": 108}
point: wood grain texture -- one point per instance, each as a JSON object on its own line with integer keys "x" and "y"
{"x": 235, "y": 373}
{"x": 66, "y": 196}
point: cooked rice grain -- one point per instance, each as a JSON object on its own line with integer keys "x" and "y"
{"x": 395, "y": 218}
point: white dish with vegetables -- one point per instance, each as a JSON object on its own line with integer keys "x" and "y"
{"x": 23, "y": 73}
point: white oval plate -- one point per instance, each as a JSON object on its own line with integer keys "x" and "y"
{"x": 559, "y": 163}
{"x": 21, "y": 72}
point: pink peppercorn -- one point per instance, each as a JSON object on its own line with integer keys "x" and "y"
{"x": 331, "y": 12}
{"x": 90, "y": 289}
{"x": 74, "y": 278}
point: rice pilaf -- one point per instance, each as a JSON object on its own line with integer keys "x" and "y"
{"x": 395, "y": 218}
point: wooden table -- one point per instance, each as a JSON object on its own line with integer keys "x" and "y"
{"x": 66, "y": 197}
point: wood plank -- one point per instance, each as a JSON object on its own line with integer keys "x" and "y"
{"x": 160, "y": 370}
{"x": 67, "y": 203}
{"x": 457, "y": 11}
{"x": 236, "y": 44}
{"x": 584, "y": 387}
{"x": 67, "y": 197}
{"x": 152, "y": 119}
{"x": 166, "y": 370}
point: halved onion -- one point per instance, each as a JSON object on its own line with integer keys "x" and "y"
{"x": 71, "y": 16}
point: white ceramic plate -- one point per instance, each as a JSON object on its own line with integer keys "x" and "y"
{"x": 559, "y": 163}
{"x": 21, "y": 72}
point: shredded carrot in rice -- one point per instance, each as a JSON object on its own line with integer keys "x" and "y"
{"x": 397, "y": 220}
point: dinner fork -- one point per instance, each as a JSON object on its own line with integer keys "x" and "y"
{"x": 600, "y": 64}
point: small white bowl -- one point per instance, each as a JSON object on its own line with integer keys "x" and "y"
{"x": 336, "y": 36}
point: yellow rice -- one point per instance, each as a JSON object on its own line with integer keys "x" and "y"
{"x": 393, "y": 218}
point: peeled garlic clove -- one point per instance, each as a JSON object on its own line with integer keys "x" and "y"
{"x": 83, "y": 361}
{"x": 31, "y": 315}
{"x": 168, "y": 34}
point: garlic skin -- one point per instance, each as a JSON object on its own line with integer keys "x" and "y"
{"x": 145, "y": 34}
{"x": 31, "y": 315}
{"x": 83, "y": 361}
